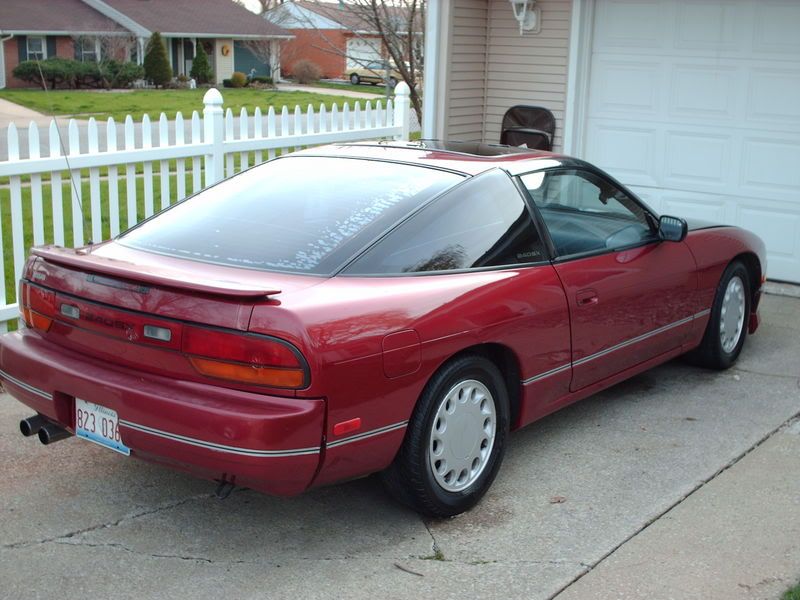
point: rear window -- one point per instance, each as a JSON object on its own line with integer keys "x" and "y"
{"x": 298, "y": 214}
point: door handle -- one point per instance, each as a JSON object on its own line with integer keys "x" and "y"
{"x": 586, "y": 297}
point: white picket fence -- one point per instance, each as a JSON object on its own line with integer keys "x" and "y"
{"x": 217, "y": 147}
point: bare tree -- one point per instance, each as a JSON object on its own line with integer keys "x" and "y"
{"x": 398, "y": 26}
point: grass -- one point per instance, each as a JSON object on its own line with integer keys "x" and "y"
{"x": 102, "y": 104}
{"x": 792, "y": 593}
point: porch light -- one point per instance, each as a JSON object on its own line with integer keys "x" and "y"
{"x": 527, "y": 14}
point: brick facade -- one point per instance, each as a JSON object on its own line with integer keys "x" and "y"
{"x": 64, "y": 49}
{"x": 325, "y": 47}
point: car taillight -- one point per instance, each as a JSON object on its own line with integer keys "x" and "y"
{"x": 247, "y": 358}
{"x": 36, "y": 304}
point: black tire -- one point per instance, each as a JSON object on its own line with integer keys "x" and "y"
{"x": 410, "y": 478}
{"x": 711, "y": 353}
{"x": 355, "y": 79}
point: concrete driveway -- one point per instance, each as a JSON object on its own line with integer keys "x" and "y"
{"x": 77, "y": 521}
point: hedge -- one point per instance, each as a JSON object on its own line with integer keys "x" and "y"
{"x": 69, "y": 73}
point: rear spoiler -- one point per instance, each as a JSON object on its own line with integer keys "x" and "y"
{"x": 149, "y": 275}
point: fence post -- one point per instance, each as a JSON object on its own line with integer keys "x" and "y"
{"x": 214, "y": 130}
{"x": 402, "y": 105}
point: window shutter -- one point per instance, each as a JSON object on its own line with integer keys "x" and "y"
{"x": 51, "y": 46}
{"x": 22, "y": 46}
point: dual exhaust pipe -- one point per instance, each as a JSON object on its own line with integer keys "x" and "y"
{"x": 47, "y": 431}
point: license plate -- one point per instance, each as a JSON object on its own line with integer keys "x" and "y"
{"x": 98, "y": 424}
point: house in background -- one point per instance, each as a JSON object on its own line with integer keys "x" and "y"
{"x": 74, "y": 29}
{"x": 331, "y": 34}
{"x": 694, "y": 105}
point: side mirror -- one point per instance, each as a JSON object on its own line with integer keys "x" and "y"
{"x": 672, "y": 229}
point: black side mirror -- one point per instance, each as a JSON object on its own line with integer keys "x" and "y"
{"x": 672, "y": 229}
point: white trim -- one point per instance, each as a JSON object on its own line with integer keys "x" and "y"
{"x": 218, "y": 447}
{"x": 578, "y": 71}
{"x": 437, "y": 47}
{"x": 3, "y": 41}
{"x": 25, "y": 386}
{"x": 28, "y": 47}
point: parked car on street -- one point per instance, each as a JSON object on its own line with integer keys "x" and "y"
{"x": 374, "y": 73}
{"x": 350, "y": 309}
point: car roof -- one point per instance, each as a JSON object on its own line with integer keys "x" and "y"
{"x": 468, "y": 158}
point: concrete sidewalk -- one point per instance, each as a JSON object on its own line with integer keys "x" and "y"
{"x": 737, "y": 537}
{"x": 14, "y": 113}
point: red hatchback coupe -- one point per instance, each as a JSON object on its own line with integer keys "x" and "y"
{"x": 370, "y": 307}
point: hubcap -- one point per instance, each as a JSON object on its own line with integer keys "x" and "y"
{"x": 462, "y": 435}
{"x": 731, "y": 320}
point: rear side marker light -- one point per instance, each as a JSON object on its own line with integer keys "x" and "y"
{"x": 36, "y": 321}
{"x": 347, "y": 426}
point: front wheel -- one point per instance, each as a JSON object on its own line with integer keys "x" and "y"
{"x": 355, "y": 79}
{"x": 727, "y": 326}
{"x": 455, "y": 440}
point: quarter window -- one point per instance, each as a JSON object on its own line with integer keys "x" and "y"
{"x": 36, "y": 48}
{"x": 481, "y": 223}
{"x": 584, "y": 212}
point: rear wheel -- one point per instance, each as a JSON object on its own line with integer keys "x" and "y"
{"x": 455, "y": 440}
{"x": 727, "y": 326}
{"x": 355, "y": 79}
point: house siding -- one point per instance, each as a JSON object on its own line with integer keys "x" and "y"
{"x": 466, "y": 84}
{"x": 520, "y": 69}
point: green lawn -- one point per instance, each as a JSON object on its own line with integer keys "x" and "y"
{"x": 792, "y": 594}
{"x": 118, "y": 104}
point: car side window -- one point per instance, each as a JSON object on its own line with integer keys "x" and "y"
{"x": 584, "y": 212}
{"x": 481, "y": 223}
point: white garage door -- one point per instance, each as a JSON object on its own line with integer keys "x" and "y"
{"x": 696, "y": 105}
{"x": 363, "y": 51}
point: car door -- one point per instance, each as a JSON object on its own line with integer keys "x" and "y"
{"x": 630, "y": 294}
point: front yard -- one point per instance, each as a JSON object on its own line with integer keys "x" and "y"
{"x": 118, "y": 104}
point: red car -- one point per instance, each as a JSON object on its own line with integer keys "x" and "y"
{"x": 371, "y": 307}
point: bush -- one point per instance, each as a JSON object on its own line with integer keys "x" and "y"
{"x": 156, "y": 63}
{"x": 201, "y": 68}
{"x": 238, "y": 80}
{"x": 262, "y": 79}
{"x": 75, "y": 74}
{"x": 306, "y": 71}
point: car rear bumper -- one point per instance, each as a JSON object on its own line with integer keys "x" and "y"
{"x": 268, "y": 443}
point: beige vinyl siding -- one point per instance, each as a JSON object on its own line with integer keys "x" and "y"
{"x": 488, "y": 50}
{"x": 529, "y": 68}
{"x": 466, "y": 73}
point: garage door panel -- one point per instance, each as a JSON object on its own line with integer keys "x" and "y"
{"x": 774, "y": 96}
{"x": 631, "y": 24}
{"x": 771, "y": 168}
{"x": 719, "y": 86}
{"x": 697, "y": 160}
{"x": 627, "y": 152}
{"x": 626, "y": 87}
{"x": 775, "y": 28}
{"x": 692, "y": 33}
{"x": 697, "y": 206}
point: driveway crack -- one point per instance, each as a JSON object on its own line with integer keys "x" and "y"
{"x": 129, "y": 517}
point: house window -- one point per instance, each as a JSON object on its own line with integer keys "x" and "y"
{"x": 88, "y": 49}
{"x": 37, "y": 48}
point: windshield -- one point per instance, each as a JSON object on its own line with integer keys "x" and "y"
{"x": 300, "y": 214}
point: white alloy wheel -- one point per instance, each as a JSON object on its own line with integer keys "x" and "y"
{"x": 462, "y": 435}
